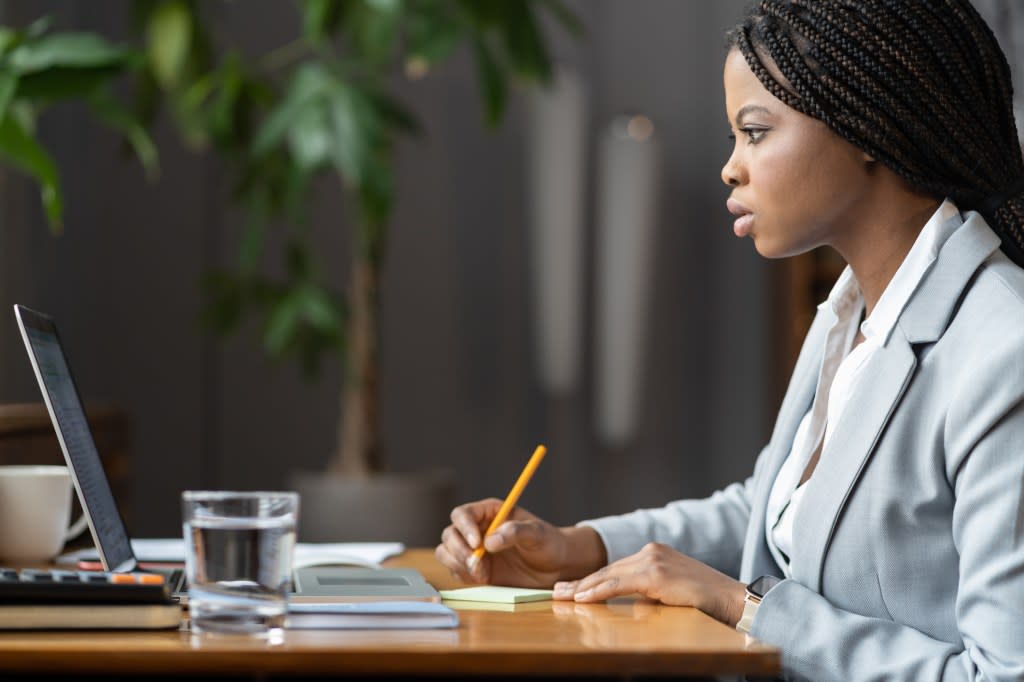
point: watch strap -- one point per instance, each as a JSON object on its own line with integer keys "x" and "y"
{"x": 756, "y": 591}
{"x": 747, "y": 619}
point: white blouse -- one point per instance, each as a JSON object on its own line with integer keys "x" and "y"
{"x": 841, "y": 368}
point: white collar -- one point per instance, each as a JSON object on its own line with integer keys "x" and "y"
{"x": 846, "y": 291}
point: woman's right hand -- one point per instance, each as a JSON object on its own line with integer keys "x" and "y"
{"x": 524, "y": 551}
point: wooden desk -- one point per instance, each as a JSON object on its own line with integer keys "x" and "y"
{"x": 546, "y": 639}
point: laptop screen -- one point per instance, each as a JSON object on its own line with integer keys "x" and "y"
{"x": 65, "y": 407}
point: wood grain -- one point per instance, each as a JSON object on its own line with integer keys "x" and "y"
{"x": 624, "y": 638}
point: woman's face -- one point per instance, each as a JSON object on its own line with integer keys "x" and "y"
{"x": 795, "y": 184}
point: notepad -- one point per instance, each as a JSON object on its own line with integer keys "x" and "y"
{"x": 370, "y": 616}
{"x": 498, "y": 595}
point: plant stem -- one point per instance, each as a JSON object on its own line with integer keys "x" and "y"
{"x": 358, "y": 436}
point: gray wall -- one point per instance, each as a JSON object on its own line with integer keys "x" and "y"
{"x": 460, "y": 390}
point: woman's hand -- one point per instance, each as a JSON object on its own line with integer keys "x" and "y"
{"x": 659, "y": 572}
{"x": 524, "y": 551}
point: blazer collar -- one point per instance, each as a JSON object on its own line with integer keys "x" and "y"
{"x": 878, "y": 392}
{"x": 931, "y": 308}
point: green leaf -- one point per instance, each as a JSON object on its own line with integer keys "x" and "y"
{"x": 432, "y": 36}
{"x": 524, "y": 43}
{"x": 393, "y": 114}
{"x": 371, "y": 29}
{"x": 224, "y": 118}
{"x": 352, "y": 132}
{"x": 169, "y": 34}
{"x": 320, "y": 18}
{"x": 25, "y": 154}
{"x": 9, "y": 38}
{"x": 282, "y": 325}
{"x": 62, "y": 83}
{"x": 76, "y": 50}
{"x": 482, "y": 15}
{"x": 309, "y": 139}
{"x": 309, "y": 83}
{"x": 8, "y": 84}
{"x": 390, "y": 6}
{"x": 317, "y": 308}
{"x": 108, "y": 110}
{"x": 24, "y": 113}
{"x": 38, "y": 27}
{"x": 492, "y": 83}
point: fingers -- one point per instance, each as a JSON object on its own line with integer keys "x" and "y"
{"x": 527, "y": 535}
{"x": 614, "y": 580}
{"x": 471, "y": 520}
{"x": 456, "y": 566}
{"x": 444, "y": 557}
{"x": 565, "y": 591}
{"x": 453, "y": 542}
{"x": 611, "y": 585}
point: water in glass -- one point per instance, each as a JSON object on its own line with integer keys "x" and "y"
{"x": 238, "y": 560}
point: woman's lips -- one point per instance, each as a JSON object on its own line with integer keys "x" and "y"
{"x": 744, "y": 220}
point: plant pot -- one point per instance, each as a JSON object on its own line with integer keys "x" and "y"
{"x": 411, "y": 508}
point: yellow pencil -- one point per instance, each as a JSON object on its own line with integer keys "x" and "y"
{"x": 509, "y": 503}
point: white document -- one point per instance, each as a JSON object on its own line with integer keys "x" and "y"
{"x": 172, "y": 550}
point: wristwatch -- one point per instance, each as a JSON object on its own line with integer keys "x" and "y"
{"x": 755, "y": 593}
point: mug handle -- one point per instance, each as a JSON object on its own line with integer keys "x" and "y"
{"x": 77, "y": 528}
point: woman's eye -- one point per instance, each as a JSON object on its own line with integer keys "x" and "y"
{"x": 754, "y": 135}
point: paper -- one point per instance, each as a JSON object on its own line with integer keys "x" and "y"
{"x": 495, "y": 606}
{"x": 367, "y": 554}
{"x": 172, "y": 550}
{"x": 495, "y": 594}
{"x": 371, "y": 615}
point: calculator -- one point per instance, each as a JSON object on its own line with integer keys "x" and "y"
{"x": 31, "y": 586}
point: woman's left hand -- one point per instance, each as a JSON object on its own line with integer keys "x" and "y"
{"x": 661, "y": 573}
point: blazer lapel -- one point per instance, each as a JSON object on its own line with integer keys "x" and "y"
{"x": 878, "y": 392}
{"x": 757, "y": 558}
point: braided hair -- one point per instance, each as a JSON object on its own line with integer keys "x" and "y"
{"x": 921, "y": 86}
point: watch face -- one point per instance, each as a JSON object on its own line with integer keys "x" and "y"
{"x": 760, "y": 587}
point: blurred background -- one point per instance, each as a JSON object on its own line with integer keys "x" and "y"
{"x": 472, "y": 376}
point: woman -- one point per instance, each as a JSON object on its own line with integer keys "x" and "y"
{"x": 881, "y": 534}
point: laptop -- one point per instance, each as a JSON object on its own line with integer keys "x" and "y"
{"x": 322, "y": 584}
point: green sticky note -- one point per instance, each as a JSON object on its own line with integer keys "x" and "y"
{"x": 497, "y": 595}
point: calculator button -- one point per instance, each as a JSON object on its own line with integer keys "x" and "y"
{"x": 122, "y": 578}
{"x": 151, "y": 579}
{"x": 37, "y": 576}
{"x": 8, "y": 574}
{"x": 95, "y": 577}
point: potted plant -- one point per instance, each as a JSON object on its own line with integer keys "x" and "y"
{"x": 40, "y": 68}
{"x": 324, "y": 105}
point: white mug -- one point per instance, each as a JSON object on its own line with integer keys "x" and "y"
{"x": 35, "y": 507}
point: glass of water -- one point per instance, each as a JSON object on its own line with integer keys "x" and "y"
{"x": 238, "y": 559}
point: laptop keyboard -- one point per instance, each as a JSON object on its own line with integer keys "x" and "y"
{"x": 175, "y": 579}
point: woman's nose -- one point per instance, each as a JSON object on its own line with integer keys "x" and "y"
{"x": 731, "y": 173}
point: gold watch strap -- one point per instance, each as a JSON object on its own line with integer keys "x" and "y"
{"x": 750, "y": 605}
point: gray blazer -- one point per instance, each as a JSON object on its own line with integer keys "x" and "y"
{"x": 909, "y": 556}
